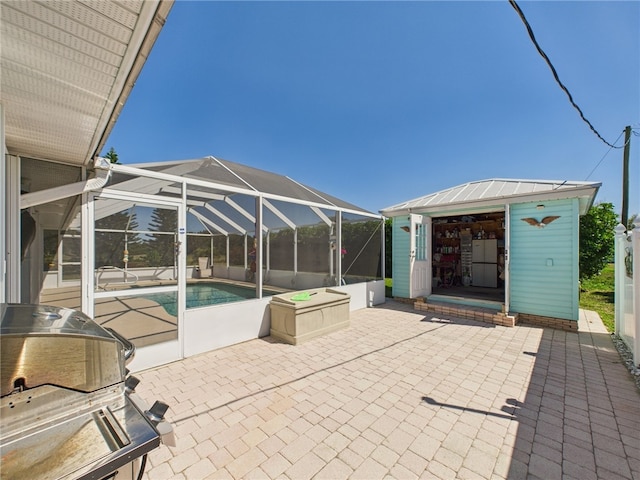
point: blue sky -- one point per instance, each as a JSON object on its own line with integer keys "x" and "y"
{"x": 381, "y": 102}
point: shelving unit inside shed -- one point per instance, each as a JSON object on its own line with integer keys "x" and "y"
{"x": 456, "y": 263}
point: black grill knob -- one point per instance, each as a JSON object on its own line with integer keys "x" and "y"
{"x": 157, "y": 411}
{"x": 131, "y": 383}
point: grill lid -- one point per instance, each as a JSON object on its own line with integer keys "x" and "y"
{"x": 43, "y": 345}
{"x": 42, "y": 319}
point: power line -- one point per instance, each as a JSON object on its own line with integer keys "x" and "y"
{"x": 603, "y": 157}
{"x": 555, "y": 74}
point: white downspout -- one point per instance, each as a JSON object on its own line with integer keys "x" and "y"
{"x": 87, "y": 239}
{"x": 102, "y": 168}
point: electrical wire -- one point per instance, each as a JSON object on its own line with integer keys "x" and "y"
{"x": 555, "y": 74}
{"x": 603, "y": 157}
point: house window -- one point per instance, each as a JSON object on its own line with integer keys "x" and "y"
{"x": 421, "y": 242}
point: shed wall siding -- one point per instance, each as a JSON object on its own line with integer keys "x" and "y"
{"x": 544, "y": 261}
{"x": 400, "y": 257}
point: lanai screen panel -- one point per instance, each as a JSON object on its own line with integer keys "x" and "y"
{"x": 227, "y": 221}
{"x": 135, "y": 241}
{"x": 361, "y": 248}
{"x": 300, "y": 241}
{"x": 303, "y": 245}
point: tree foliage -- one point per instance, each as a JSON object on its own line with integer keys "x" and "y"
{"x": 110, "y": 245}
{"x": 112, "y": 156}
{"x": 596, "y": 239}
{"x": 162, "y": 251}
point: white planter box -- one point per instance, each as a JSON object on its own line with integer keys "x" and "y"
{"x": 294, "y": 322}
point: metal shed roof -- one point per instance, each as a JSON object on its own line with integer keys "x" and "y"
{"x": 495, "y": 192}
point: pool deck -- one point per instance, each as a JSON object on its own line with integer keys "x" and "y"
{"x": 141, "y": 320}
{"x": 404, "y": 394}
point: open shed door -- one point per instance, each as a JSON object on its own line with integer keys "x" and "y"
{"x": 419, "y": 258}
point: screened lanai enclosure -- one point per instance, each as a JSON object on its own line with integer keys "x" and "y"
{"x": 182, "y": 257}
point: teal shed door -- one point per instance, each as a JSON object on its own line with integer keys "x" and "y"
{"x": 411, "y": 256}
{"x": 543, "y": 259}
{"x": 419, "y": 258}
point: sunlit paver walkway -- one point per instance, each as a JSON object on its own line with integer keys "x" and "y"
{"x": 400, "y": 395}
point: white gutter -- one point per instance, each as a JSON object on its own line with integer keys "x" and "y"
{"x": 102, "y": 168}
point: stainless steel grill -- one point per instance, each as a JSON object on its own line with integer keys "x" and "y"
{"x": 67, "y": 407}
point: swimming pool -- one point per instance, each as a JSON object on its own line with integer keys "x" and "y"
{"x": 202, "y": 294}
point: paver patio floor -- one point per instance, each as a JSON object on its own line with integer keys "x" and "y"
{"x": 403, "y": 395}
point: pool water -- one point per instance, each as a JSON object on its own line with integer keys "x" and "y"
{"x": 206, "y": 293}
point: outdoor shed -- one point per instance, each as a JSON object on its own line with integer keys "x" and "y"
{"x": 503, "y": 244}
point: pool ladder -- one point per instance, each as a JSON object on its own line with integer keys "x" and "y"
{"x": 101, "y": 270}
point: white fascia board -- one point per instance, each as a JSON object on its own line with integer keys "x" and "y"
{"x": 279, "y": 214}
{"x": 206, "y": 221}
{"x": 151, "y": 20}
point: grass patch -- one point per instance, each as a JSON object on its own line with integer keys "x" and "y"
{"x": 597, "y": 294}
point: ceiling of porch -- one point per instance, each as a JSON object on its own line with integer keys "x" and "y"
{"x": 67, "y": 70}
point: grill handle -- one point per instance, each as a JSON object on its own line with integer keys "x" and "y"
{"x": 129, "y": 348}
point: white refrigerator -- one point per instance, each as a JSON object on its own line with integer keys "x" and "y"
{"x": 484, "y": 266}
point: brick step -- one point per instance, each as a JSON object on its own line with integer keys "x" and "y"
{"x": 480, "y": 314}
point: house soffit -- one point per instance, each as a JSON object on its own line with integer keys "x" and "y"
{"x": 67, "y": 69}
